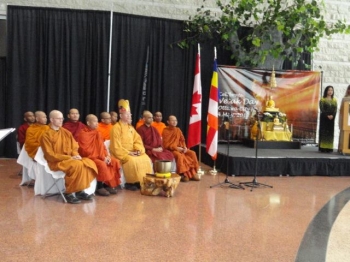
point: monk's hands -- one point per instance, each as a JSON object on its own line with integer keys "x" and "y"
{"x": 157, "y": 149}
{"x": 135, "y": 153}
{"x": 107, "y": 160}
{"x": 182, "y": 149}
{"x": 77, "y": 157}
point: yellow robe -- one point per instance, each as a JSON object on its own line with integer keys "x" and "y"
{"x": 33, "y": 135}
{"x": 124, "y": 139}
{"x": 59, "y": 147}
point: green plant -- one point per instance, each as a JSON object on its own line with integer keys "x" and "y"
{"x": 263, "y": 33}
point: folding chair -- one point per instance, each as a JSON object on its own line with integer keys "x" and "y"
{"x": 27, "y": 163}
{"x": 56, "y": 178}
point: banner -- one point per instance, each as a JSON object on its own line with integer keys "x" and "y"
{"x": 243, "y": 92}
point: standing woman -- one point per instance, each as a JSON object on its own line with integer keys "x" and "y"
{"x": 341, "y": 134}
{"x": 328, "y": 108}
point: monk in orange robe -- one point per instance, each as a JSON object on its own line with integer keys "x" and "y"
{"x": 29, "y": 119}
{"x": 34, "y": 133}
{"x": 157, "y": 123}
{"x": 61, "y": 153}
{"x": 91, "y": 145}
{"x": 73, "y": 124}
{"x": 186, "y": 159}
{"x": 105, "y": 126}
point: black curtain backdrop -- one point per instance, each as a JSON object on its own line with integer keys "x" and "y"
{"x": 58, "y": 59}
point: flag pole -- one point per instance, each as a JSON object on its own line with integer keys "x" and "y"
{"x": 200, "y": 172}
{"x": 214, "y": 172}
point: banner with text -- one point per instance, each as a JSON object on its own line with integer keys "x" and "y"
{"x": 243, "y": 92}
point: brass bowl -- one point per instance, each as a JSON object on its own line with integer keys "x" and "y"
{"x": 162, "y": 166}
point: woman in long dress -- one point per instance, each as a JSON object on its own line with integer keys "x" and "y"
{"x": 341, "y": 134}
{"x": 328, "y": 108}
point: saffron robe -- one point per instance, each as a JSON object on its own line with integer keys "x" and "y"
{"x": 21, "y": 133}
{"x": 186, "y": 163}
{"x": 33, "y": 135}
{"x": 58, "y": 147}
{"x": 74, "y": 127}
{"x": 125, "y": 139}
{"x": 159, "y": 126}
{"x": 139, "y": 123}
{"x": 91, "y": 146}
{"x": 151, "y": 139}
{"x": 105, "y": 130}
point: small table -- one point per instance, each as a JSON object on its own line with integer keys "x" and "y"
{"x": 154, "y": 186}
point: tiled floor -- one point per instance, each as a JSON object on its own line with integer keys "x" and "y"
{"x": 292, "y": 221}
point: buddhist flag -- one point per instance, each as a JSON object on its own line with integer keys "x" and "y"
{"x": 212, "y": 128}
{"x": 194, "y": 130}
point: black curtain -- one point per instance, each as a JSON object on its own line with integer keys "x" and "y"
{"x": 2, "y": 100}
{"x": 57, "y": 59}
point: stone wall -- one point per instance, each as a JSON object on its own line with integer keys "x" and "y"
{"x": 333, "y": 57}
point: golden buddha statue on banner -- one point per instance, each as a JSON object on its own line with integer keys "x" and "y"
{"x": 270, "y": 105}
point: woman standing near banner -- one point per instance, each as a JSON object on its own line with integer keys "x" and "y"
{"x": 328, "y": 108}
{"x": 341, "y": 135}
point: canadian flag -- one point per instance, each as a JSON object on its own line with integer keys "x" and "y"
{"x": 194, "y": 130}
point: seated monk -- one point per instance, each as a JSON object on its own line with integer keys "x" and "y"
{"x": 73, "y": 124}
{"x": 61, "y": 153}
{"x": 186, "y": 160}
{"x": 105, "y": 126}
{"x": 152, "y": 140}
{"x": 91, "y": 145}
{"x": 126, "y": 145}
{"x": 34, "y": 133}
{"x": 29, "y": 119}
{"x": 114, "y": 117}
{"x": 157, "y": 123}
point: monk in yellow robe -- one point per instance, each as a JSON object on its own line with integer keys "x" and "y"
{"x": 61, "y": 153}
{"x": 34, "y": 133}
{"x": 105, "y": 126}
{"x": 91, "y": 145}
{"x": 126, "y": 145}
{"x": 157, "y": 123}
{"x": 186, "y": 160}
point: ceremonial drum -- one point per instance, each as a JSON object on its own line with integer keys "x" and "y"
{"x": 154, "y": 186}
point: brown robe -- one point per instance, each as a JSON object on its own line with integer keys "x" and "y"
{"x": 186, "y": 163}
{"x": 33, "y": 135}
{"x": 151, "y": 139}
{"x": 58, "y": 147}
{"x": 91, "y": 145}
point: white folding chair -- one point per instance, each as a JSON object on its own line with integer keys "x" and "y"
{"x": 122, "y": 177}
{"x": 49, "y": 182}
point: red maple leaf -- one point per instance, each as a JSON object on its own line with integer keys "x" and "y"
{"x": 196, "y": 99}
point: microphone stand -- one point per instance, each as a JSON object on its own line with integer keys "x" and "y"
{"x": 254, "y": 184}
{"x": 226, "y": 181}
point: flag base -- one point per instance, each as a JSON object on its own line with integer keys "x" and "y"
{"x": 213, "y": 172}
{"x": 200, "y": 172}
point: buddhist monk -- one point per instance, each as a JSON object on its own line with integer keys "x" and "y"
{"x": 152, "y": 140}
{"x": 91, "y": 145}
{"x": 61, "y": 153}
{"x": 157, "y": 123}
{"x": 105, "y": 126}
{"x": 126, "y": 145}
{"x": 29, "y": 119}
{"x": 114, "y": 117}
{"x": 73, "y": 124}
{"x": 34, "y": 133}
{"x": 186, "y": 159}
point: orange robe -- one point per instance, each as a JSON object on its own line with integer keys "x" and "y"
{"x": 186, "y": 163}
{"x": 59, "y": 146}
{"x": 125, "y": 139}
{"x": 104, "y": 130}
{"x": 74, "y": 127}
{"x": 91, "y": 145}
{"x": 159, "y": 126}
{"x": 139, "y": 123}
{"x": 33, "y": 135}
